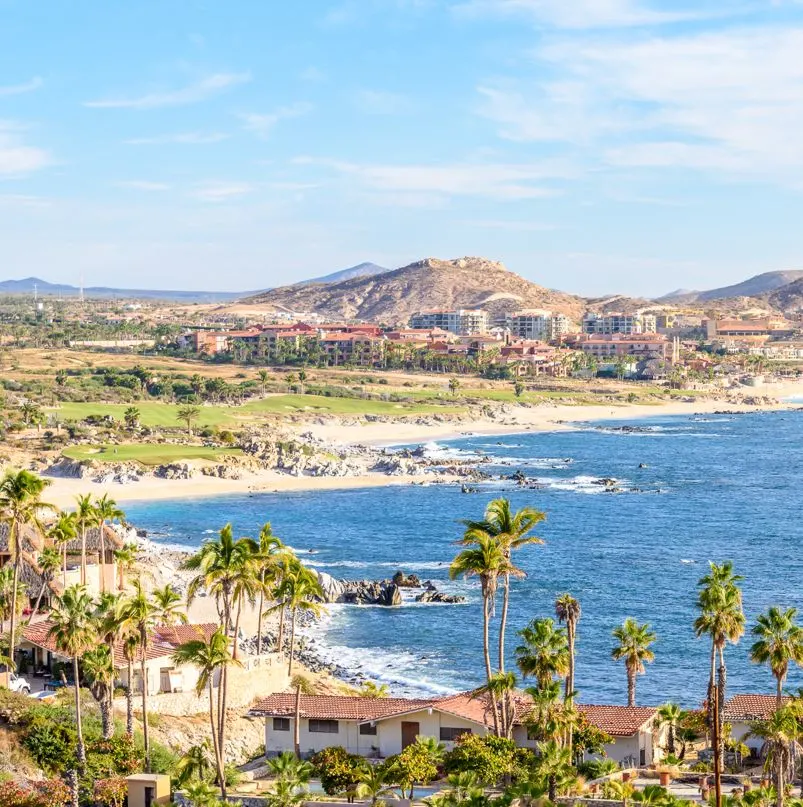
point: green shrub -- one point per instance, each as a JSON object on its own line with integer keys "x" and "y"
{"x": 489, "y": 758}
{"x": 337, "y": 769}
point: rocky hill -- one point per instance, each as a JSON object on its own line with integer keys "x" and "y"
{"x": 392, "y": 297}
{"x": 757, "y": 286}
{"x": 364, "y": 269}
{"x": 788, "y": 298}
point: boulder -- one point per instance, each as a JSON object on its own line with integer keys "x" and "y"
{"x": 402, "y": 581}
{"x": 430, "y": 595}
{"x": 333, "y": 590}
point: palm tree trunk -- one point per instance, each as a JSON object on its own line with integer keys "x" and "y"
{"x": 486, "y": 647}
{"x": 779, "y": 794}
{"x": 106, "y": 722}
{"x": 259, "y": 615}
{"x": 38, "y": 602}
{"x": 237, "y": 626}
{"x": 292, "y": 640}
{"x": 218, "y": 759}
{"x": 711, "y": 675}
{"x": 144, "y": 681}
{"x": 13, "y": 624}
{"x": 83, "y": 556}
{"x": 222, "y": 697}
{"x": 102, "y": 559}
{"x": 297, "y": 724}
{"x": 129, "y": 700}
{"x": 631, "y": 687}
{"x": 81, "y": 751}
{"x": 722, "y": 680}
{"x": 64, "y": 575}
{"x": 779, "y": 692}
{"x": 503, "y": 620}
{"x": 569, "y": 686}
{"x": 280, "y": 637}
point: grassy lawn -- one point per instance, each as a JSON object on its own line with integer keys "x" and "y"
{"x": 147, "y": 454}
{"x": 152, "y": 413}
{"x": 278, "y": 404}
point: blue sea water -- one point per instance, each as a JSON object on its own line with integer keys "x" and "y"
{"x": 714, "y": 488}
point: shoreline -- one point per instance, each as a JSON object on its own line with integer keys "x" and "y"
{"x": 63, "y": 490}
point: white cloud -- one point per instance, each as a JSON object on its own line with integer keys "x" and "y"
{"x": 144, "y": 185}
{"x": 16, "y": 157}
{"x": 184, "y": 138}
{"x": 191, "y": 94}
{"x": 220, "y": 191}
{"x": 262, "y": 124}
{"x": 380, "y": 102}
{"x": 18, "y": 89}
{"x": 491, "y": 180}
{"x": 577, "y": 13}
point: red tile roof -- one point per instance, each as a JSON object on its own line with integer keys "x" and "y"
{"x": 751, "y": 707}
{"x": 163, "y": 640}
{"x": 618, "y": 721}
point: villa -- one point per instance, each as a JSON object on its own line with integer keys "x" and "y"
{"x": 381, "y": 727}
{"x": 741, "y": 711}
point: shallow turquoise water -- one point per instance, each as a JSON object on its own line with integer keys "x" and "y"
{"x": 714, "y": 488}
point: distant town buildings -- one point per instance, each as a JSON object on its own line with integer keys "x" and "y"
{"x": 463, "y": 321}
{"x": 612, "y": 346}
{"x": 545, "y": 326}
{"x": 628, "y": 324}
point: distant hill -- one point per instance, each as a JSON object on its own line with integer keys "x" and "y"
{"x": 391, "y": 297}
{"x": 788, "y": 297}
{"x": 366, "y": 269}
{"x": 752, "y": 287}
{"x": 30, "y": 284}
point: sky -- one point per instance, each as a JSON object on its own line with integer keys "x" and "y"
{"x": 595, "y": 146}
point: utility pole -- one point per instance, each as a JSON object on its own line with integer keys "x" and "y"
{"x": 717, "y": 757}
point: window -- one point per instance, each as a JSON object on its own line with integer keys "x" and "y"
{"x": 323, "y": 726}
{"x": 367, "y": 728}
{"x": 281, "y": 724}
{"x": 450, "y": 735}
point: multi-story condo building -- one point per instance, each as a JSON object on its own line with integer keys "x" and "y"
{"x": 464, "y": 322}
{"x": 629, "y": 324}
{"x": 545, "y": 326}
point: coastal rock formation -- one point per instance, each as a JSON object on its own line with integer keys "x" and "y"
{"x": 380, "y": 592}
{"x": 175, "y": 470}
{"x": 434, "y": 596}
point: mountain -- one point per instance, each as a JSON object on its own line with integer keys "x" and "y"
{"x": 29, "y": 285}
{"x": 391, "y": 297}
{"x": 756, "y": 286}
{"x": 788, "y": 297}
{"x": 366, "y": 269}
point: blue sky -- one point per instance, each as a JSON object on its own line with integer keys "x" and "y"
{"x": 596, "y": 146}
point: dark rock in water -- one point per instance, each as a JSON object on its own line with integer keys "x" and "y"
{"x": 402, "y": 581}
{"x": 605, "y": 481}
{"x": 438, "y": 596}
{"x": 142, "y": 533}
{"x": 643, "y": 465}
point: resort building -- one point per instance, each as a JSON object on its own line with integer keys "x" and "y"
{"x": 748, "y": 330}
{"x": 612, "y": 346}
{"x": 463, "y": 322}
{"x": 741, "y": 711}
{"x": 357, "y": 348}
{"x": 381, "y": 727}
{"x": 544, "y": 326}
{"x": 628, "y": 324}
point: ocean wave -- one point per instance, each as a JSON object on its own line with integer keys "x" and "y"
{"x": 363, "y": 564}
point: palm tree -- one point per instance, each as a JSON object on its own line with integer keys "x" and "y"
{"x": 634, "y": 649}
{"x": 211, "y": 656}
{"x": 20, "y": 503}
{"x": 98, "y": 668}
{"x": 106, "y": 509}
{"x": 544, "y": 653}
{"x": 85, "y": 518}
{"x": 779, "y": 733}
{"x": 270, "y": 549}
{"x": 188, "y": 414}
{"x": 568, "y": 611}
{"x": 301, "y": 592}
{"x": 196, "y": 763}
{"x": 287, "y": 767}
{"x": 73, "y": 632}
{"x": 112, "y": 629}
{"x": 131, "y": 417}
{"x": 485, "y": 559}
{"x": 373, "y": 785}
{"x": 500, "y": 689}
{"x": 722, "y": 618}
{"x": 49, "y": 563}
{"x": 779, "y": 640}
{"x": 370, "y": 689}
{"x": 511, "y": 530}
{"x": 554, "y": 764}
{"x": 263, "y": 376}
{"x": 302, "y": 686}
{"x": 670, "y": 714}
{"x": 169, "y": 606}
{"x": 138, "y": 613}
{"x": 61, "y": 532}
{"x": 130, "y": 643}
{"x": 126, "y": 558}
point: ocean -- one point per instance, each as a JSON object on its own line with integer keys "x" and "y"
{"x": 699, "y": 488}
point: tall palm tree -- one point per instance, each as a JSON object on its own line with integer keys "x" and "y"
{"x": 634, "y": 649}
{"x": 20, "y": 504}
{"x": 670, "y": 714}
{"x": 130, "y": 642}
{"x": 61, "y": 532}
{"x": 138, "y": 613}
{"x": 568, "y": 612}
{"x": 211, "y": 656}
{"x": 511, "y": 530}
{"x": 84, "y": 518}
{"x": 126, "y": 558}
{"x": 301, "y": 592}
{"x": 112, "y": 629}
{"x": 105, "y": 509}
{"x": 49, "y": 563}
{"x": 544, "y": 652}
{"x": 779, "y": 733}
{"x": 73, "y": 632}
{"x": 98, "y": 669}
{"x": 779, "y": 640}
{"x": 500, "y": 689}
{"x": 169, "y": 606}
{"x": 270, "y": 550}
{"x": 195, "y": 763}
{"x": 721, "y": 617}
{"x": 303, "y": 686}
{"x": 485, "y": 559}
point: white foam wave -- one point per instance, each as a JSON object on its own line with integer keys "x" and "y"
{"x": 361, "y": 564}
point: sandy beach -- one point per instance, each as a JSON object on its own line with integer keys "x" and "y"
{"x": 63, "y": 491}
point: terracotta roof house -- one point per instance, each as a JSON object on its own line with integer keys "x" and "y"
{"x": 741, "y": 711}
{"x": 384, "y": 726}
{"x": 161, "y": 673}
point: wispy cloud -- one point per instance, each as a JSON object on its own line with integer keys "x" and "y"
{"x": 579, "y": 13}
{"x": 262, "y": 124}
{"x": 381, "y": 102}
{"x": 184, "y": 138}
{"x": 191, "y": 94}
{"x": 19, "y": 89}
{"x": 16, "y": 157}
{"x": 215, "y": 191}
{"x": 143, "y": 185}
